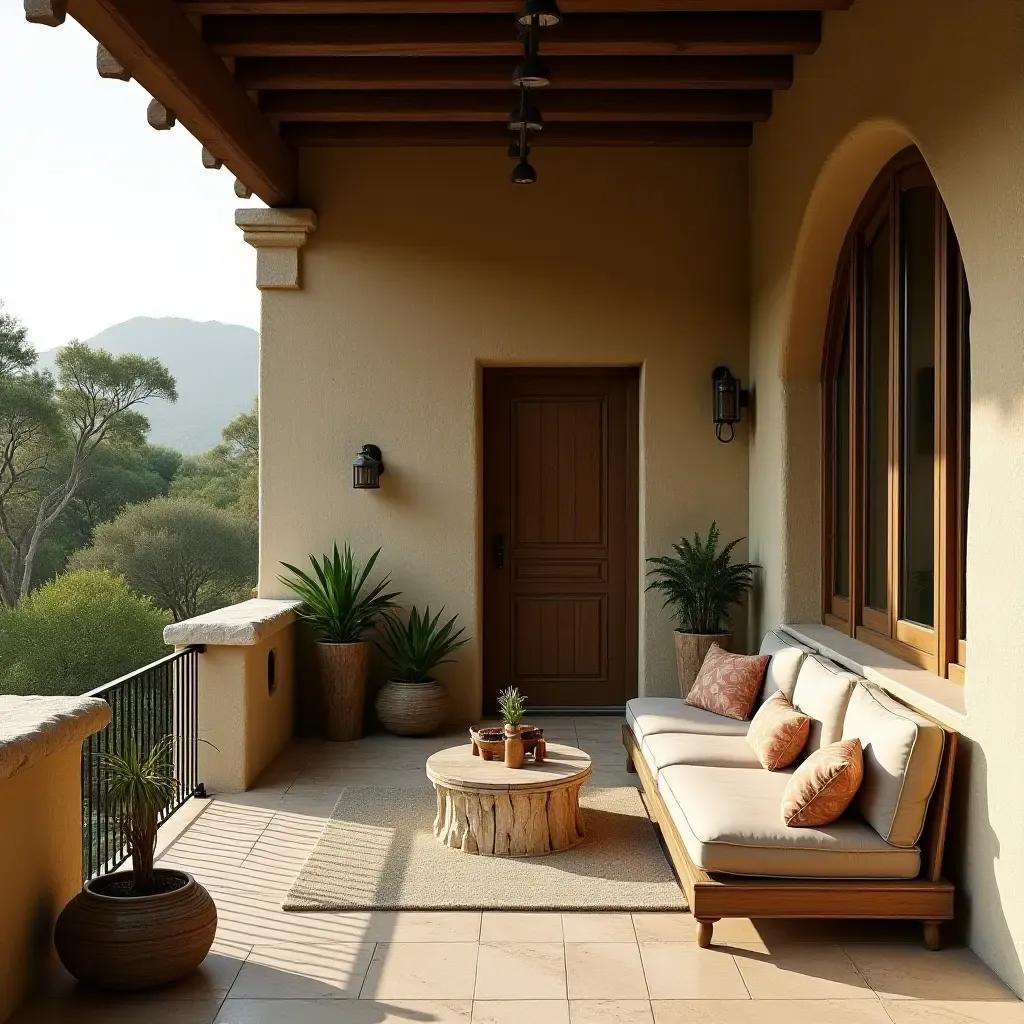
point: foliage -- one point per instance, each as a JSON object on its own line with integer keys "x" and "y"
{"x": 415, "y": 648}
{"x": 700, "y": 583}
{"x": 78, "y": 632}
{"x": 512, "y": 705}
{"x": 333, "y": 602}
{"x": 139, "y": 787}
{"x": 189, "y": 558}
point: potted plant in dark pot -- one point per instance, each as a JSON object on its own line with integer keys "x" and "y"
{"x": 148, "y": 926}
{"x": 341, "y": 613}
{"x": 412, "y": 702}
{"x": 700, "y": 584}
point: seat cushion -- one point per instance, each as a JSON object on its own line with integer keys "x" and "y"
{"x": 823, "y": 691}
{"x": 665, "y": 748}
{"x": 649, "y": 715}
{"x": 730, "y": 822}
{"x": 787, "y": 657}
{"x": 902, "y": 756}
{"x": 728, "y": 684}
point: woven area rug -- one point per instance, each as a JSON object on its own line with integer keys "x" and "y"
{"x": 378, "y": 852}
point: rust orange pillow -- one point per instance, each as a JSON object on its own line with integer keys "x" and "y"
{"x": 824, "y": 785}
{"x": 778, "y": 732}
{"x": 728, "y": 684}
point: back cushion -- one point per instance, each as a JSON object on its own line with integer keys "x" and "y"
{"x": 822, "y": 692}
{"x": 902, "y": 756}
{"x": 784, "y": 666}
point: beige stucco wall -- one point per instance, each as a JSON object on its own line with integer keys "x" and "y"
{"x": 40, "y": 863}
{"x": 947, "y": 75}
{"x": 427, "y": 265}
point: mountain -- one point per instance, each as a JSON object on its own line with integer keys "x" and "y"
{"x": 214, "y": 364}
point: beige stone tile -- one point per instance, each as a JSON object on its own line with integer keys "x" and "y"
{"x": 598, "y": 928}
{"x": 300, "y": 971}
{"x": 514, "y": 926}
{"x": 800, "y": 971}
{"x": 520, "y": 1011}
{"x": 610, "y": 1011}
{"x": 521, "y": 970}
{"x": 118, "y": 1010}
{"x": 329, "y": 1011}
{"x": 682, "y": 970}
{"x": 768, "y": 1011}
{"x": 423, "y": 926}
{"x": 604, "y": 970}
{"x": 665, "y": 927}
{"x": 913, "y": 972}
{"x": 421, "y": 970}
{"x": 906, "y": 1011}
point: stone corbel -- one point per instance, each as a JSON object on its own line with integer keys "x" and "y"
{"x": 277, "y": 236}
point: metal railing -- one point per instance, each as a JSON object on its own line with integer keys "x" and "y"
{"x": 158, "y": 700}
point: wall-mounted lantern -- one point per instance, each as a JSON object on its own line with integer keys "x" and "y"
{"x": 728, "y": 399}
{"x": 367, "y": 468}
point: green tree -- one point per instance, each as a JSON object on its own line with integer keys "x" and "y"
{"x": 188, "y": 557}
{"x": 78, "y": 632}
{"x": 50, "y": 430}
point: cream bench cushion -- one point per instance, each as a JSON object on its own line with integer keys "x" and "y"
{"x": 823, "y": 691}
{"x": 787, "y": 657}
{"x": 649, "y": 715}
{"x": 730, "y": 822}
{"x": 667, "y": 748}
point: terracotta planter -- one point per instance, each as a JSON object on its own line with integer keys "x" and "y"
{"x": 690, "y": 651}
{"x": 343, "y": 672}
{"x": 134, "y": 942}
{"x": 515, "y": 752}
{"x": 412, "y": 709}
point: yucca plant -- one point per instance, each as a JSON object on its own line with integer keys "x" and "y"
{"x": 512, "y": 705}
{"x": 700, "y": 583}
{"x": 416, "y": 647}
{"x": 333, "y": 602}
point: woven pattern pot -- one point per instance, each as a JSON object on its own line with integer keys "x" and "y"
{"x": 691, "y": 649}
{"x": 412, "y": 709}
{"x": 343, "y": 672}
{"x": 127, "y": 943}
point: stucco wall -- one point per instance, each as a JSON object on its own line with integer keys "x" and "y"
{"x": 427, "y": 265}
{"x": 947, "y": 75}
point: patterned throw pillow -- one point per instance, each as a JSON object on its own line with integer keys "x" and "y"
{"x": 728, "y": 684}
{"x": 824, "y": 785}
{"x": 778, "y": 732}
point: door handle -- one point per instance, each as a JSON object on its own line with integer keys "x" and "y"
{"x": 499, "y": 551}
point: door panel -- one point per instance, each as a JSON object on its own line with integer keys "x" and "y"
{"x": 560, "y": 536}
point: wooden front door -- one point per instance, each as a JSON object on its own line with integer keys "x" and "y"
{"x": 560, "y": 536}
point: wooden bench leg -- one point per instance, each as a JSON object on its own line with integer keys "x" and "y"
{"x": 630, "y": 767}
{"x": 705, "y": 931}
{"x": 932, "y": 935}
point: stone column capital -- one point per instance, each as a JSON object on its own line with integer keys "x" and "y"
{"x": 277, "y": 236}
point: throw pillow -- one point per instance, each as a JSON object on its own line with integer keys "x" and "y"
{"x": 728, "y": 684}
{"x": 778, "y": 732}
{"x": 824, "y": 785}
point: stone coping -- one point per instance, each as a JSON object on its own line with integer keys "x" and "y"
{"x": 238, "y": 625}
{"x": 32, "y": 728}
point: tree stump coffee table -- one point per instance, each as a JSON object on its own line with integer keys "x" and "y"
{"x": 485, "y": 808}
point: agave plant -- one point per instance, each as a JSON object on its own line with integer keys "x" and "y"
{"x": 333, "y": 601}
{"x": 416, "y": 647}
{"x": 699, "y": 582}
{"x": 512, "y": 705}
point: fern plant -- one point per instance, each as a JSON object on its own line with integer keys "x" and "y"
{"x": 512, "y": 705}
{"x": 700, "y": 583}
{"x": 416, "y": 647}
{"x": 333, "y": 601}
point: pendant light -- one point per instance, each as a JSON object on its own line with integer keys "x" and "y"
{"x": 542, "y": 13}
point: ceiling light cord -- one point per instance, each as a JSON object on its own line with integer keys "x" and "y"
{"x": 529, "y": 75}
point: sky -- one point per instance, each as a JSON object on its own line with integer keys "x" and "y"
{"x": 102, "y": 218}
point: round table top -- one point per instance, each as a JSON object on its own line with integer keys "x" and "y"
{"x": 457, "y": 768}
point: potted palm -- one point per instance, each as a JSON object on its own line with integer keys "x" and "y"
{"x": 413, "y": 702}
{"x": 148, "y": 926}
{"x": 512, "y": 705}
{"x": 700, "y": 584}
{"x": 340, "y": 613}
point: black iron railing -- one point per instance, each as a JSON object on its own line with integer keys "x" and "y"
{"x": 161, "y": 699}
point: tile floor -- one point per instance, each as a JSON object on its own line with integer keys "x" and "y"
{"x": 269, "y": 967}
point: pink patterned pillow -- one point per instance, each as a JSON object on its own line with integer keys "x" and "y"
{"x": 824, "y": 785}
{"x": 728, "y": 684}
{"x": 778, "y": 732}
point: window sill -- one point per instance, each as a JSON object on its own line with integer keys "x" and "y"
{"x": 938, "y": 697}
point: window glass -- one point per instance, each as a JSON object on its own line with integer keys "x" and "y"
{"x": 841, "y": 471}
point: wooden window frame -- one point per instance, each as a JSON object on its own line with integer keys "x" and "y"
{"x": 940, "y": 648}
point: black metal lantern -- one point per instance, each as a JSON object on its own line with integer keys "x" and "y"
{"x": 728, "y": 399}
{"x": 367, "y": 468}
{"x": 542, "y": 13}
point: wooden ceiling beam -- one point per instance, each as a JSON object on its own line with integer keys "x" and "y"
{"x": 570, "y": 7}
{"x": 575, "y": 105}
{"x": 623, "y": 134}
{"x": 416, "y": 73}
{"x": 493, "y": 36}
{"x": 156, "y": 44}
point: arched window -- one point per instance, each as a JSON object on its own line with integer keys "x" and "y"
{"x": 896, "y": 426}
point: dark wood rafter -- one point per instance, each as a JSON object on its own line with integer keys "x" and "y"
{"x": 506, "y": 7}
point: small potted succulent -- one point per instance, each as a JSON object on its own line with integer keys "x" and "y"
{"x": 412, "y": 702}
{"x": 512, "y": 705}
{"x": 700, "y": 585}
{"x": 341, "y": 613}
{"x": 148, "y": 926}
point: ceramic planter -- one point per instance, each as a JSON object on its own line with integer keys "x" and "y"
{"x": 344, "y": 669}
{"x": 514, "y": 750}
{"x": 412, "y": 709}
{"x": 690, "y": 651}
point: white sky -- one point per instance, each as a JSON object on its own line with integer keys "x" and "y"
{"x": 101, "y": 217}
